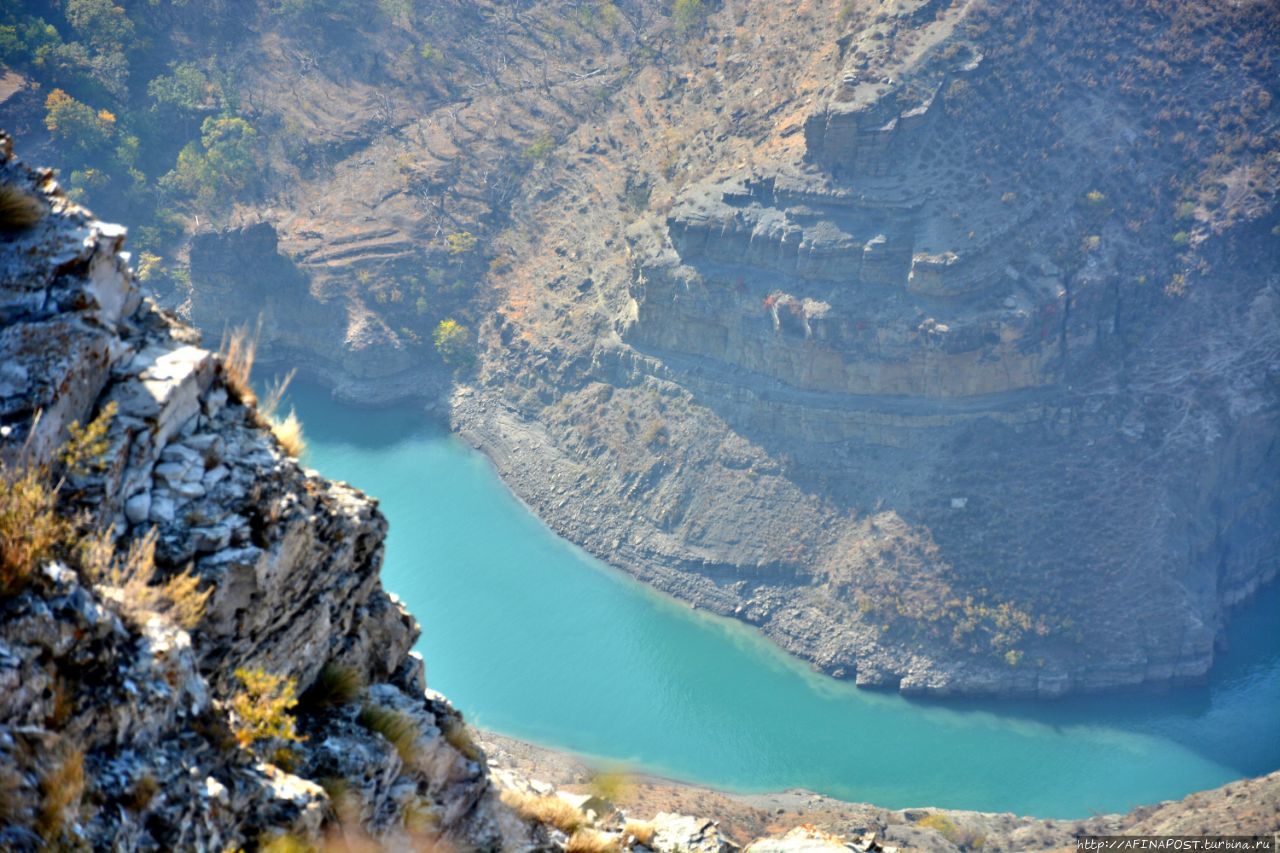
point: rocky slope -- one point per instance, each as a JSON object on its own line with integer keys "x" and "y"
{"x": 952, "y": 370}
{"x": 113, "y": 717}
{"x": 791, "y": 819}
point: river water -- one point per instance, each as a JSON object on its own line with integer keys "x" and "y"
{"x": 532, "y": 637}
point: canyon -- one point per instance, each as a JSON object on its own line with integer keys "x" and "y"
{"x": 122, "y": 720}
{"x": 932, "y": 339}
{"x": 936, "y": 341}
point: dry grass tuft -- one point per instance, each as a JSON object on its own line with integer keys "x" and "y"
{"x": 144, "y": 790}
{"x": 335, "y": 685}
{"x": 592, "y": 841}
{"x": 61, "y": 787}
{"x": 287, "y": 430}
{"x": 399, "y": 729}
{"x": 238, "y": 350}
{"x": 550, "y": 810}
{"x": 458, "y": 736}
{"x": 289, "y": 433}
{"x": 31, "y": 531}
{"x": 179, "y": 597}
{"x": 19, "y": 208}
{"x": 640, "y": 831}
{"x": 14, "y": 800}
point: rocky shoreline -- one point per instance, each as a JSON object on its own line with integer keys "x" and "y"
{"x": 558, "y": 489}
{"x": 1248, "y": 806}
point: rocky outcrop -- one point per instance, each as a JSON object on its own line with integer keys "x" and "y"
{"x": 930, "y": 370}
{"x": 108, "y": 696}
{"x": 240, "y": 278}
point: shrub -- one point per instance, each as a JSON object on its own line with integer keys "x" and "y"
{"x": 77, "y": 124}
{"x": 19, "y": 209}
{"x": 144, "y": 790}
{"x": 655, "y": 434}
{"x": 550, "y": 810}
{"x": 452, "y": 341}
{"x": 688, "y": 14}
{"x": 539, "y": 151}
{"x": 461, "y": 242}
{"x": 86, "y": 445}
{"x": 149, "y": 266}
{"x": 396, "y": 728}
{"x": 186, "y": 87}
{"x": 953, "y": 832}
{"x": 262, "y": 709}
{"x": 223, "y": 164}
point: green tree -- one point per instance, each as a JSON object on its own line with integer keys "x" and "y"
{"x": 688, "y": 14}
{"x": 186, "y": 87}
{"x": 77, "y": 124}
{"x": 101, "y": 23}
{"x": 452, "y": 341}
{"x": 221, "y": 166}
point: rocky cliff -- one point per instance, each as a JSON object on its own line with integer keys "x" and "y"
{"x": 117, "y": 682}
{"x": 944, "y": 357}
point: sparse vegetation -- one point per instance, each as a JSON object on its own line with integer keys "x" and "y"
{"x": 137, "y": 592}
{"x": 399, "y": 729}
{"x": 640, "y": 830}
{"x": 262, "y": 717}
{"x": 592, "y": 841}
{"x": 61, "y": 787}
{"x": 238, "y": 350}
{"x": 452, "y": 341}
{"x": 459, "y": 737}
{"x": 288, "y": 431}
{"x": 548, "y": 809}
{"x": 336, "y": 684}
{"x": 19, "y": 209}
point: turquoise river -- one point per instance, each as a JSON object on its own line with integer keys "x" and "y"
{"x": 533, "y": 638}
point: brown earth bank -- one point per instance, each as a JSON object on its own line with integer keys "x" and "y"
{"x": 935, "y": 339}
{"x": 1247, "y": 807}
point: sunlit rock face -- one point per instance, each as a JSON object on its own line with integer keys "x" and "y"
{"x": 954, "y": 319}
{"x": 289, "y": 562}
